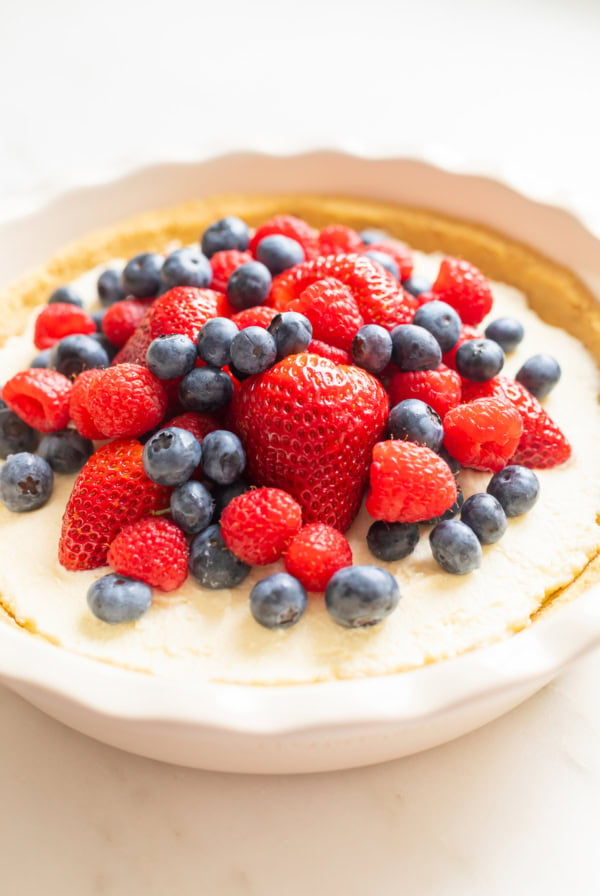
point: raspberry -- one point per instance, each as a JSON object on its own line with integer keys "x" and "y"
{"x": 332, "y": 311}
{"x": 398, "y": 251}
{"x": 259, "y": 525}
{"x": 122, "y": 319}
{"x": 337, "y": 239}
{"x": 223, "y": 265}
{"x": 463, "y": 286}
{"x": 257, "y": 316}
{"x": 295, "y": 228}
{"x": 58, "y": 320}
{"x": 484, "y": 434}
{"x": 198, "y": 424}
{"x": 337, "y": 355}
{"x": 440, "y": 389}
{"x": 126, "y": 400}
{"x": 78, "y": 405}
{"x": 466, "y": 333}
{"x": 409, "y": 483}
{"x": 153, "y": 550}
{"x": 315, "y": 554}
{"x": 40, "y": 397}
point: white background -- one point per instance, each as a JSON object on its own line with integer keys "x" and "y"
{"x": 509, "y": 87}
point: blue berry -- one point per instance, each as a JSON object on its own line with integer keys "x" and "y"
{"x": 484, "y": 515}
{"x": 253, "y": 350}
{"x": 506, "y": 331}
{"x": 357, "y": 596}
{"x": 292, "y": 333}
{"x": 516, "y": 488}
{"x": 279, "y": 253}
{"x": 15, "y": 435}
{"x": 214, "y": 341}
{"x": 392, "y": 541}
{"x": 479, "y": 360}
{"x": 74, "y": 354}
{"x": 3, "y": 404}
{"x": 372, "y": 348}
{"x": 442, "y": 321}
{"x": 98, "y": 317}
{"x": 449, "y": 514}
{"x": 227, "y": 233}
{"x": 416, "y": 285}
{"x": 205, "y": 389}
{"x": 171, "y": 356}
{"x": 224, "y": 494}
{"x": 451, "y": 461}
{"x": 171, "y": 455}
{"x": 386, "y": 261}
{"x": 66, "y": 295}
{"x": 539, "y": 374}
{"x": 192, "y": 507}
{"x": 414, "y": 348}
{"x": 455, "y": 547}
{"x": 278, "y": 601}
{"x": 26, "y": 482}
{"x": 223, "y": 457}
{"x": 110, "y": 288}
{"x": 249, "y": 285}
{"x": 371, "y": 235}
{"x": 186, "y": 267}
{"x": 116, "y": 599}
{"x": 65, "y": 450}
{"x": 141, "y": 275}
{"x": 103, "y": 340}
{"x": 42, "y": 359}
{"x": 414, "y": 421}
{"x": 211, "y": 562}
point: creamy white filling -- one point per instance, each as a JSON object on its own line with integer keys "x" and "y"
{"x": 212, "y": 636}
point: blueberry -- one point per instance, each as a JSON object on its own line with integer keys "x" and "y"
{"x": 479, "y": 360}
{"x": 103, "y": 340}
{"x": 65, "y": 450}
{"x": 516, "y": 488}
{"x": 253, "y": 350}
{"x": 205, "y": 389}
{"x": 115, "y": 599}
{"x": 386, "y": 261}
{"x": 227, "y": 233}
{"x": 361, "y": 595}
{"x": 192, "y": 507}
{"x": 414, "y": 421}
{"x": 42, "y": 359}
{"x": 65, "y": 295}
{"x": 74, "y": 354}
{"x": 278, "y": 601}
{"x": 3, "y": 404}
{"x": 110, "y": 288}
{"x": 292, "y": 333}
{"x": 171, "y": 356}
{"x": 223, "y": 457}
{"x": 371, "y": 236}
{"x": 449, "y": 514}
{"x": 414, "y": 348}
{"x": 15, "y": 435}
{"x": 224, "y": 494}
{"x": 372, "y": 348}
{"x": 214, "y": 341}
{"x": 26, "y": 482}
{"x": 451, "y": 461}
{"x": 416, "y": 285}
{"x": 506, "y": 331}
{"x": 186, "y": 267}
{"x": 455, "y": 547}
{"x": 279, "y": 253}
{"x": 211, "y": 562}
{"x": 539, "y": 374}
{"x": 484, "y": 515}
{"x": 141, "y": 275}
{"x": 442, "y": 321}
{"x": 392, "y": 541}
{"x": 98, "y": 317}
{"x": 171, "y": 455}
{"x": 249, "y": 285}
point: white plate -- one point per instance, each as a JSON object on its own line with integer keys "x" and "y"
{"x": 309, "y": 727}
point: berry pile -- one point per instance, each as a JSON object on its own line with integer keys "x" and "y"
{"x": 249, "y": 393}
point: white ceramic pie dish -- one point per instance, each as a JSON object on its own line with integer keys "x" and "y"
{"x": 307, "y": 727}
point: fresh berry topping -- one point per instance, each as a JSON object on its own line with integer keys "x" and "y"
{"x": 539, "y": 374}
{"x": 15, "y": 434}
{"x": 449, "y": 514}
{"x": 516, "y": 488}
{"x": 66, "y": 450}
{"x": 392, "y": 541}
{"x": 98, "y": 317}
{"x": 224, "y": 494}
{"x": 74, "y": 354}
{"x": 386, "y": 261}
{"x": 372, "y": 348}
{"x": 192, "y": 507}
{"x": 466, "y": 333}
{"x": 484, "y": 434}
{"x": 223, "y": 457}
{"x": 294, "y": 228}
{"x": 253, "y": 350}
{"x": 42, "y": 359}
{"x": 370, "y": 236}
{"x": 278, "y": 253}
{"x": 141, "y": 275}
{"x": 171, "y": 356}
{"x": 214, "y": 341}
{"x": 26, "y": 482}
{"x": 223, "y": 264}
{"x": 398, "y": 252}
{"x": 463, "y": 286}
{"x": 415, "y": 348}
{"x": 323, "y": 350}
{"x": 414, "y": 421}
{"x": 153, "y": 550}
{"x": 315, "y": 554}
{"x": 186, "y": 267}
{"x": 110, "y": 288}
{"x": 361, "y": 595}
{"x": 290, "y": 419}
{"x": 110, "y": 491}
{"x": 416, "y": 286}
{"x": 126, "y": 400}
{"x": 485, "y": 516}
{"x": 39, "y": 397}
{"x": 259, "y": 525}
{"x": 278, "y": 601}
{"x": 442, "y": 321}
{"x": 455, "y": 547}
{"x": 451, "y": 461}
{"x": 258, "y": 316}
{"x": 337, "y": 239}
{"x": 507, "y": 332}
{"x": 249, "y": 285}
{"x": 78, "y": 405}
{"x": 440, "y": 389}
{"x": 479, "y": 360}
{"x": 332, "y": 311}
{"x": 225, "y": 234}
{"x": 115, "y": 599}
{"x": 198, "y": 424}
{"x": 65, "y": 295}
{"x": 171, "y": 455}
{"x": 205, "y": 389}
{"x": 409, "y": 483}
{"x": 292, "y": 333}
{"x": 55, "y": 321}
{"x": 122, "y": 319}
{"x": 211, "y": 562}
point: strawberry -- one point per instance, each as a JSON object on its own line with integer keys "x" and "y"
{"x": 110, "y": 491}
{"x": 294, "y": 228}
{"x": 126, "y": 400}
{"x": 58, "y": 320}
{"x": 315, "y": 554}
{"x": 337, "y": 239}
{"x": 483, "y": 434}
{"x": 440, "y": 389}
{"x": 463, "y": 286}
{"x": 308, "y": 427}
{"x": 257, "y": 316}
{"x": 337, "y": 355}
{"x": 153, "y": 550}
{"x": 259, "y": 525}
{"x": 400, "y": 253}
{"x": 40, "y": 397}
{"x": 223, "y": 265}
{"x": 332, "y": 311}
{"x": 198, "y": 424}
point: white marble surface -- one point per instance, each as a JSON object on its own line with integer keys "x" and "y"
{"x": 510, "y": 87}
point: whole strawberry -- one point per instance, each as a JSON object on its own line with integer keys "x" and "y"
{"x": 153, "y": 550}
{"x": 332, "y": 311}
{"x": 259, "y": 525}
{"x": 463, "y": 286}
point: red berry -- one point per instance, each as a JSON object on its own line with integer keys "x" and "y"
{"x": 294, "y": 228}
{"x": 440, "y": 389}
{"x": 484, "y": 434}
{"x": 223, "y": 265}
{"x": 463, "y": 286}
{"x": 409, "y": 483}
{"x": 332, "y": 311}
{"x": 466, "y": 333}
{"x": 257, "y": 316}
{"x": 39, "y": 397}
{"x": 337, "y": 355}
{"x": 198, "y": 424}
{"x": 58, "y": 320}
{"x": 126, "y": 400}
{"x": 122, "y": 319}
{"x": 315, "y": 554}
{"x": 153, "y": 550}
{"x": 259, "y": 525}
{"x": 396, "y": 250}
{"x": 337, "y": 239}
{"x": 78, "y": 405}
